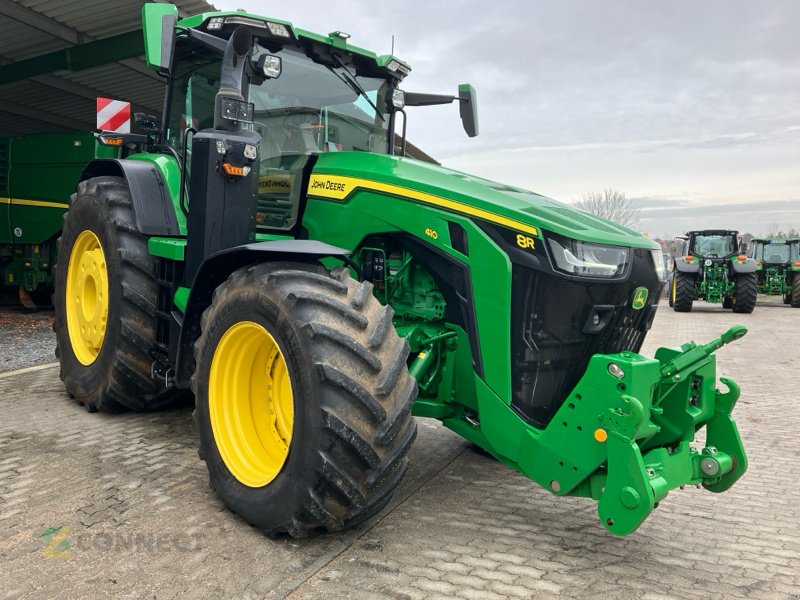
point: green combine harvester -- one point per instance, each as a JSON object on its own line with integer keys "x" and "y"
{"x": 31, "y": 206}
{"x": 776, "y": 263}
{"x": 713, "y": 268}
{"x": 269, "y": 248}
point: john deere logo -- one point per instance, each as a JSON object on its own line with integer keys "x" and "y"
{"x": 639, "y": 298}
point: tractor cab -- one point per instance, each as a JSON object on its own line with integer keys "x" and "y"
{"x": 300, "y": 97}
{"x": 770, "y": 251}
{"x": 794, "y": 251}
{"x": 302, "y": 93}
{"x": 713, "y": 245}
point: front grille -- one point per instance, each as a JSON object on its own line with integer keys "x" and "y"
{"x": 549, "y": 349}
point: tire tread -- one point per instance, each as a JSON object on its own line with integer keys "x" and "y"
{"x": 684, "y": 292}
{"x": 365, "y": 393}
{"x": 129, "y": 384}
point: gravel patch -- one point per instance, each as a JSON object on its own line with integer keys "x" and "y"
{"x": 26, "y": 338}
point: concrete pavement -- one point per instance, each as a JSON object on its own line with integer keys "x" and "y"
{"x": 100, "y": 505}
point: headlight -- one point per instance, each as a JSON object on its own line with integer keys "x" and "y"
{"x": 587, "y": 259}
{"x": 658, "y": 262}
{"x": 269, "y": 66}
{"x": 398, "y": 99}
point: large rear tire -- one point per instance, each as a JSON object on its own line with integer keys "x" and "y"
{"x": 682, "y": 291}
{"x": 745, "y": 293}
{"x": 105, "y": 300}
{"x": 796, "y": 290}
{"x": 303, "y": 399}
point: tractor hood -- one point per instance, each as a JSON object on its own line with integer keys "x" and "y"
{"x": 513, "y": 203}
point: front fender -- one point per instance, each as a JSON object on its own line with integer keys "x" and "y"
{"x": 150, "y": 191}
{"x": 216, "y": 268}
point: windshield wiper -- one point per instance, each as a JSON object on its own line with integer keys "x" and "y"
{"x": 350, "y": 81}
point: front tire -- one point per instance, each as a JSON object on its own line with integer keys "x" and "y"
{"x": 745, "y": 293}
{"x": 105, "y": 300}
{"x": 682, "y": 291}
{"x": 795, "y": 290}
{"x": 303, "y": 399}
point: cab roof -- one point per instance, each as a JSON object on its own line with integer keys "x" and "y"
{"x": 712, "y": 232}
{"x": 338, "y": 40}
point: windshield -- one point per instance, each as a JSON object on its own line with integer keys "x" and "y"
{"x": 714, "y": 246}
{"x": 312, "y": 108}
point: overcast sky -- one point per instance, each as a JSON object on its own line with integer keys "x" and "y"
{"x": 691, "y": 108}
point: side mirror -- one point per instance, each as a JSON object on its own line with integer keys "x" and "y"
{"x": 146, "y": 121}
{"x": 468, "y": 107}
{"x": 158, "y": 22}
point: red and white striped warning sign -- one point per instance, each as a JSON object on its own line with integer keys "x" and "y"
{"x": 113, "y": 115}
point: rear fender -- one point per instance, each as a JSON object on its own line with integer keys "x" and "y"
{"x": 748, "y": 266}
{"x": 216, "y": 268}
{"x": 687, "y": 267}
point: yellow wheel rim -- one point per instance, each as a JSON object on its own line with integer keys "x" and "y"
{"x": 250, "y": 403}
{"x": 674, "y": 289}
{"x": 86, "y": 301}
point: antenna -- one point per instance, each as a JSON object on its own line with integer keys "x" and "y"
{"x": 392, "y": 52}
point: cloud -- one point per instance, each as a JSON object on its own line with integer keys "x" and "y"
{"x": 671, "y": 216}
{"x": 694, "y": 100}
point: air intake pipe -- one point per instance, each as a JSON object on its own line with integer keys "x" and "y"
{"x": 231, "y": 86}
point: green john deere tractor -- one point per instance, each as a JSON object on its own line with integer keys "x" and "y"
{"x": 712, "y": 268}
{"x": 270, "y": 249}
{"x": 793, "y": 275}
{"x": 775, "y": 267}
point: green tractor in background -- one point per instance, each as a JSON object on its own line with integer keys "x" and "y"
{"x": 713, "y": 268}
{"x": 269, "y": 249}
{"x": 32, "y": 205}
{"x": 775, "y": 268}
{"x": 793, "y": 276}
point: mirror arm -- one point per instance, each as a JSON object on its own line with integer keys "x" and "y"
{"x": 208, "y": 40}
{"x": 418, "y": 99}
